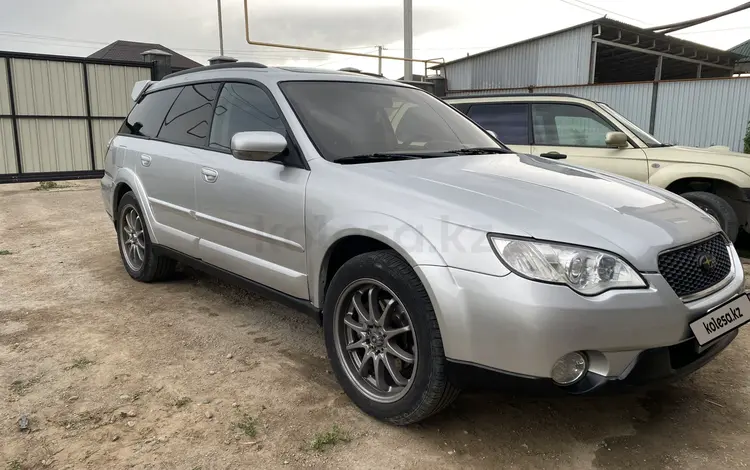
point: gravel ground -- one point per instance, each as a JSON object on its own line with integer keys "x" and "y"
{"x": 105, "y": 372}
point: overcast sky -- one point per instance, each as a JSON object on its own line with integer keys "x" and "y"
{"x": 442, "y": 28}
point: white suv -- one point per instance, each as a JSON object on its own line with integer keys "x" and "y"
{"x": 594, "y": 135}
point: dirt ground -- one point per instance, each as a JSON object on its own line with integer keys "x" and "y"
{"x": 194, "y": 374}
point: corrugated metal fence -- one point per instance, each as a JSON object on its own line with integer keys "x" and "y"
{"x": 697, "y": 113}
{"x": 58, "y": 113}
{"x": 702, "y": 113}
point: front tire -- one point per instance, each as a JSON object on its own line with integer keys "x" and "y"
{"x": 383, "y": 340}
{"x": 136, "y": 249}
{"x": 719, "y": 209}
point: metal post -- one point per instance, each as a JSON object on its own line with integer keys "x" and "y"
{"x": 700, "y": 71}
{"x": 592, "y": 63}
{"x": 14, "y": 115}
{"x": 380, "y": 60}
{"x": 657, "y": 73}
{"x": 89, "y": 122}
{"x": 408, "y": 51}
{"x": 221, "y": 31}
{"x": 655, "y": 96}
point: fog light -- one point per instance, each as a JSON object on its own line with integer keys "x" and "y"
{"x": 570, "y": 368}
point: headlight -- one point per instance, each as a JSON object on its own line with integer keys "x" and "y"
{"x": 586, "y": 271}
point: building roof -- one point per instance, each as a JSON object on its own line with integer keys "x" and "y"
{"x": 130, "y": 50}
{"x": 742, "y": 48}
{"x": 416, "y": 77}
{"x": 642, "y": 34}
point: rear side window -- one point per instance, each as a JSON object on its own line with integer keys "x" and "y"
{"x": 509, "y": 121}
{"x": 243, "y": 107}
{"x": 147, "y": 115}
{"x": 188, "y": 122}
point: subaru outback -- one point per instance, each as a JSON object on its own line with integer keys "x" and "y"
{"x": 426, "y": 249}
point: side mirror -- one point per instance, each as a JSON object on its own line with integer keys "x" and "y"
{"x": 257, "y": 146}
{"x": 493, "y": 134}
{"x": 616, "y": 139}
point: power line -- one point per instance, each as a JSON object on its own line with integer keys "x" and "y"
{"x": 672, "y": 27}
{"x": 713, "y": 30}
{"x": 600, "y": 9}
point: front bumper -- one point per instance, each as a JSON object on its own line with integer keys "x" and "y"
{"x": 653, "y": 367}
{"x": 521, "y": 327}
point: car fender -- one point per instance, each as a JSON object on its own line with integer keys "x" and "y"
{"x": 129, "y": 177}
{"x": 671, "y": 172}
{"x": 402, "y": 237}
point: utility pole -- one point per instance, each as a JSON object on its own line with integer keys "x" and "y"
{"x": 221, "y": 31}
{"x": 380, "y": 60}
{"x": 407, "y": 39}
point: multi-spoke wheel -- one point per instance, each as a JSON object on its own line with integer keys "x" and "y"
{"x": 383, "y": 339}
{"x": 132, "y": 238}
{"x": 135, "y": 246}
{"x": 376, "y": 340}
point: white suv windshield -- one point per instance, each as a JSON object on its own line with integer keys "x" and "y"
{"x": 647, "y": 138}
{"x": 345, "y": 119}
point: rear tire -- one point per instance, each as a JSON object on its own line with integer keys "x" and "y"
{"x": 136, "y": 249}
{"x": 719, "y": 209}
{"x": 413, "y": 382}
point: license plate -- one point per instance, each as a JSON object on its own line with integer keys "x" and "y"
{"x": 721, "y": 320}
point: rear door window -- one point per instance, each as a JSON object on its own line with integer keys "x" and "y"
{"x": 147, "y": 115}
{"x": 188, "y": 122}
{"x": 509, "y": 121}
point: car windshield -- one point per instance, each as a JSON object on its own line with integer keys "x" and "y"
{"x": 352, "y": 119}
{"x": 647, "y": 138}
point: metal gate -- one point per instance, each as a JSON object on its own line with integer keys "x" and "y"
{"x": 57, "y": 113}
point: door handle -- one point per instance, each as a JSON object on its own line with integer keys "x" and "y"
{"x": 554, "y": 155}
{"x": 145, "y": 160}
{"x": 209, "y": 175}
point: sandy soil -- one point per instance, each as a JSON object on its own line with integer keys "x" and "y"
{"x": 111, "y": 373}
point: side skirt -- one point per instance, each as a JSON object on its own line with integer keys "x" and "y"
{"x": 301, "y": 305}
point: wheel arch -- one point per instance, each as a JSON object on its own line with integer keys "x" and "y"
{"x": 126, "y": 180}
{"x": 729, "y": 191}
{"x": 346, "y": 241}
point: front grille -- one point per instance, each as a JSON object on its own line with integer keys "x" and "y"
{"x": 686, "y": 270}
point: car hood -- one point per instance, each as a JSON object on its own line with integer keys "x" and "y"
{"x": 534, "y": 197}
{"x": 716, "y": 155}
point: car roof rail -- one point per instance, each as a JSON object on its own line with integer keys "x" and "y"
{"x": 356, "y": 70}
{"x": 205, "y": 68}
{"x": 512, "y": 95}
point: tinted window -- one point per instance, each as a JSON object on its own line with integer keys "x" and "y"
{"x": 348, "y": 119}
{"x": 243, "y": 107}
{"x": 568, "y": 125}
{"x": 147, "y": 115}
{"x": 189, "y": 120}
{"x": 509, "y": 121}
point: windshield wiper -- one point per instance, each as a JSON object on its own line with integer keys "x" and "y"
{"x": 377, "y": 157}
{"x": 478, "y": 151}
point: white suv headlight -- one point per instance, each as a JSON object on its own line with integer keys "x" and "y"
{"x": 585, "y": 270}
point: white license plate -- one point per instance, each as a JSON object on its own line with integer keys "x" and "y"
{"x": 724, "y": 319}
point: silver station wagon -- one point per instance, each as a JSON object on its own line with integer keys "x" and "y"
{"x": 433, "y": 256}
